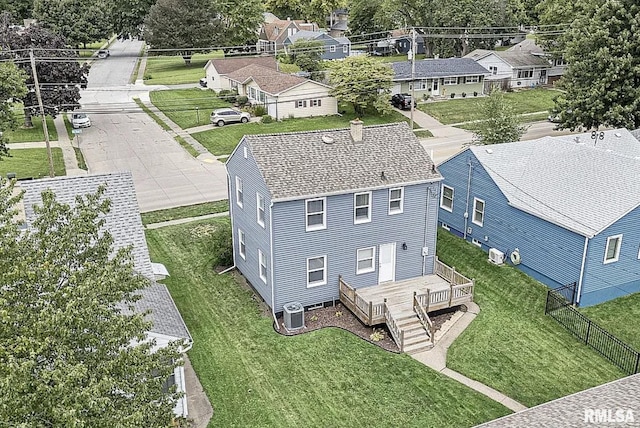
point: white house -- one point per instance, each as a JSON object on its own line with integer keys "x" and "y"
{"x": 518, "y": 69}
{"x": 216, "y": 69}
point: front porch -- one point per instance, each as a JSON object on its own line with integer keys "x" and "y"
{"x": 404, "y": 305}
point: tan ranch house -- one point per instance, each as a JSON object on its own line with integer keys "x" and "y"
{"x": 217, "y": 69}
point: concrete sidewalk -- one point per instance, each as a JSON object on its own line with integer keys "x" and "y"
{"x": 438, "y": 130}
{"x": 436, "y": 358}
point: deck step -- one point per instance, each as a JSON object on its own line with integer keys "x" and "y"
{"x": 418, "y": 347}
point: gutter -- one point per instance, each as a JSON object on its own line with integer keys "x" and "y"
{"x": 584, "y": 262}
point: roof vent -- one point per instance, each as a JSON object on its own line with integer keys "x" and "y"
{"x": 577, "y": 140}
{"x": 617, "y": 134}
{"x": 489, "y": 151}
{"x": 327, "y": 140}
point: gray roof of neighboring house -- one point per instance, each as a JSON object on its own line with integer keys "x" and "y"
{"x": 636, "y": 133}
{"x": 229, "y": 65}
{"x": 270, "y": 81}
{"x": 123, "y": 221}
{"x": 515, "y": 58}
{"x": 313, "y": 35}
{"x": 449, "y": 67}
{"x": 527, "y": 45}
{"x": 561, "y": 179}
{"x": 572, "y": 411}
{"x": 299, "y": 165}
{"x": 164, "y": 314}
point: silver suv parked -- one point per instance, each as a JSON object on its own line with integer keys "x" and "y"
{"x": 222, "y": 116}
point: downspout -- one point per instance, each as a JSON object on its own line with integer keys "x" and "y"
{"x": 466, "y": 209}
{"x": 273, "y": 288}
{"x": 584, "y": 262}
{"x": 426, "y": 227}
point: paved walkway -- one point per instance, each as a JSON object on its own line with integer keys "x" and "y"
{"x": 439, "y": 130}
{"x": 185, "y": 220}
{"x": 436, "y": 359}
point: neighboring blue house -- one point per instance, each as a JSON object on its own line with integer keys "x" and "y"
{"x": 309, "y": 207}
{"x": 335, "y": 47}
{"x": 565, "y": 209}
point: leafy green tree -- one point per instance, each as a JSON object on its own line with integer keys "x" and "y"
{"x": 20, "y": 9}
{"x": 306, "y": 54}
{"x": 601, "y": 83}
{"x": 500, "y": 124}
{"x": 363, "y": 82}
{"x": 69, "y": 355}
{"x": 310, "y": 11}
{"x": 127, "y": 16}
{"x": 369, "y": 16}
{"x": 182, "y": 25}
{"x": 240, "y": 19}
{"x": 79, "y": 22}
{"x": 12, "y": 87}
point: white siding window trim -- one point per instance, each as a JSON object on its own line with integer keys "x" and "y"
{"x": 365, "y": 260}
{"x": 345, "y": 48}
{"x": 361, "y": 207}
{"x": 242, "y": 247}
{"x": 612, "y": 250}
{"x": 450, "y": 81}
{"x": 478, "y": 211}
{"x": 396, "y": 200}
{"x": 446, "y": 198}
{"x": 239, "y": 192}
{"x": 316, "y": 271}
{"x": 472, "y": 79}
{"x": 260, "y": 209}
{"x": 315, "y": 214}
{"x": 332, "y": 48}
{"x": 476, "y": 242}
{"x": 262, "y": 266}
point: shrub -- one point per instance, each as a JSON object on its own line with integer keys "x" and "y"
{"x": 453, "y": 94}
{"x": 222, "y": 245}
{"x": 464, "y": 94}
{"x": 242, "y": 100}
{"x": 259, "y": 110}
{"x": 266, "y": 119}
{"x": 228, "y": 95}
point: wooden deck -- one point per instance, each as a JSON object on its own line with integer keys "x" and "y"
{"x": 404, "y": 305}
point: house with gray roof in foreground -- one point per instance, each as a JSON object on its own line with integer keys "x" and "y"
{"x": 124, "y": 223}
{"x": 309, "y": 207}
{"x": 457, "y": 77}
{"x": 613, "y": 404}
{"x": 562, "y": 209}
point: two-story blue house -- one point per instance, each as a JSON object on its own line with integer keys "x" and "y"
{"x": 316, "y": 211}
{"x": 334, "y": 47}
{"x": 563, "y": 209}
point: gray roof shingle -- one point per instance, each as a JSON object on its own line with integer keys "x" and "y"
{"x": 229, "y": 65}
{"x": 299, "y": 165}
{"x": 449, "y": 67}
{"x": 164, "y": 314}
{"x": 572, "y": 411}
{"x": 515, "y": 58}
{"x": 270, "y": 81}
{"x": 561, "y": 179}
{"x": 123, "y": 221}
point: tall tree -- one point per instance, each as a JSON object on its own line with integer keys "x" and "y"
{"x": 306, "y": 54}
{"x": 310, "y": 11}
{"x": 363, "y": 82}
{"x": 602, "y": 81}
{"x": 500, "y": 124}
{"x": 182, "y": 26}
{"x": 12, "y": 87}
{"x": 78, "y": 21}
{"x": 59, "y": 72}
{"x": 240, "y": 20}
{"x": 69, "y": 355}
{"x": 127, "y": 16}
{"x": 20, "y": 9}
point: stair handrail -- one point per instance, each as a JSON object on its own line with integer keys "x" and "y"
{"x": 423, "y": 317}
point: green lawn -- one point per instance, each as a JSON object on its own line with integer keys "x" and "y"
{"x": 91, "y": 48}
{"x": 464, "y": 110}
{"x": 524, "y": 118}
{"x": 26, "y": 135}
{"x": 512, "y": 345}
{"x": 185, "y": 212}
{"x": 256, "y": 378}
{"x": 32, "y": 163}
{"x": 618, "y": 317}
{"x": 171, "y": 70}
{"x": 180, "y": 105}
{"x": 222, "y": 141}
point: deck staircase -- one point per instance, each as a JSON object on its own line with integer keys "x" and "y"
{"x": 413, "y": 337}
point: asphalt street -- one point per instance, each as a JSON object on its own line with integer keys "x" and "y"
{"x": 123, "y": 138}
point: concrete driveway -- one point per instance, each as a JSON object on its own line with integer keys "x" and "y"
{"x": 123, "y": 138}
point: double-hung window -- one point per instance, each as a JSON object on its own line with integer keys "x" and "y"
{"x": 315, "y": 212}
{"x": 260, "y": 209}
{"x": 396, "y": 200}
{"x": 242, "y": 248}
{"x": 472, "y": 79}
{"x": 362, "y": 207}
{"x": 446, "y": 198}
{"x": 262, "y": 262}
{"x": 478, "y": 211}
{"x": 612, "y": 252}
{"x": 450, "y": 81}
{"x": 239, "y": 192}
{"x": 316, "y": 271}
{"x": 366, "y": 260}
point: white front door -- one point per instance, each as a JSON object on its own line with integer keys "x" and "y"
{"x": 435, "y": 88}
{"x": 387, "y": 262}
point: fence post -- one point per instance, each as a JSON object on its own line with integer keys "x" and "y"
{"x": 573, "y": 293}
{"x": 546, "y": 305}
{"x": 370, "y": 312}
{"x": 586, "y": 339}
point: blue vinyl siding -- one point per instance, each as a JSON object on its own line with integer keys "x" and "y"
{"x": 548, "y": 252}
{"x": 604, "y": 282}
{"x": 341, "y": 240}
{"x": 256, "y": 237}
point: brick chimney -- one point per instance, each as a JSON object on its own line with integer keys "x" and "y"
{"x": 356, "y": 130}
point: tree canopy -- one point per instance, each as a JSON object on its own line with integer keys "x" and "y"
{"x": 69, "y": 356}
{"x": 601, "y": 82}
{"x": 78, "y": 22}
{"x": 306, "y": 54}
{"x": 363, "y": 82}
{"x": 500, "y": 124}
{"x": 12, "y": 87}
{"x": 311, "y": 11}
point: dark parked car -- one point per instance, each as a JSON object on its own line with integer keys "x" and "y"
{"x": 103, "y": 53}
{"x": 402, "y": 101}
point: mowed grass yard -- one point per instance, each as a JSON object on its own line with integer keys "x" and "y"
{"x": 172, "y": 70}
{"x": 222, "y": 141}
{"x": 618, "y": 317}
{"x": 32, "y": 163}
{"x": 34, "y": 134}
{"x": 468, "y": 109}
{"x": 180, "y": 105}
{"x": 512, "y": 345}
{"x": 255, "y": 377}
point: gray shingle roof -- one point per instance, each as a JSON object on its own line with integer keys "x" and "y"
{"x": 515, "y": 58}
{"x": 449, "y": 67}
{"x": 298, "y": 165}
{"x": 123, "y": 220}
{"x": 270, "y": 81}
{"x": 164, "y": 314}
{"x": 636, "y": 133}
{"x": 527, "y": 45}
{"x": 229, "y": 65}
{"x": 562, "y": 179}
{"x": 570, "y": 411}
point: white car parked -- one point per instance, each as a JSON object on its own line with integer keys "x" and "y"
{"x": 80, "y": 120}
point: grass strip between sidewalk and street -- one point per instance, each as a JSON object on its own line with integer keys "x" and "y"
{"x": 185, "y": 212}
{"x": 152, "y": 115}
{"x": 32, "y": 163}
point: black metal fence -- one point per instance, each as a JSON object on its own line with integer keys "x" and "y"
{"x": 559, "y": 307}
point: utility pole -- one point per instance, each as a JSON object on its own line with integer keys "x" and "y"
{"x": 412, "y": 54}
{"x": 44, "y": 118}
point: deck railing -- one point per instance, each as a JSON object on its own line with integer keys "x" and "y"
{"x": 396, "y": 332}
{"x": 423, "y": 316}
{"x": 366, "y": 311}
{"x": 450, "y": 274}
